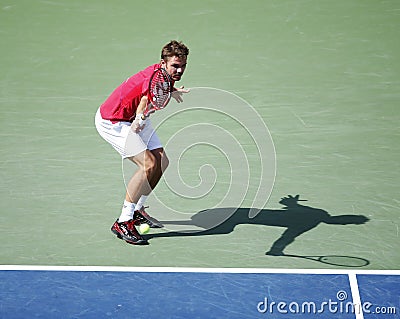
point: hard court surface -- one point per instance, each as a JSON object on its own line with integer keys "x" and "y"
{"x": 322, "y": 76}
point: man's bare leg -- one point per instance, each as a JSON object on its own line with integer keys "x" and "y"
{"x": 139, "y": 184}
{"x": 162, "y": 162}
{"x": 124, "y": 227}
{"x": 151, "y": 165}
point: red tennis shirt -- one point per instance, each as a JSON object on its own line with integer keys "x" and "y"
{"x": 121, "y": 105}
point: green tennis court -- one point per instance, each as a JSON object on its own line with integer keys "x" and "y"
{"x": 324, "y": 77}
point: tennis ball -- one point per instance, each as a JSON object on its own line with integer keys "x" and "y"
{"x": 144, "y": 228}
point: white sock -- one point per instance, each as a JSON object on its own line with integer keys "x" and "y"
{"x": 127, "y": 211}
{"x": 140, "y": 202}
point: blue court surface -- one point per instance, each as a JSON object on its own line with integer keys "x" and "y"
{"x": 118, "y": 292}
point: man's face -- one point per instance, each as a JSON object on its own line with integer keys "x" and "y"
{"x": 175, "y": 67}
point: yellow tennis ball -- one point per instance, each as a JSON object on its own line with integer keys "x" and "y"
{"x": 144, "y": 228}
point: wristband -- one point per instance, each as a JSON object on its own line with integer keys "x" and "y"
{"x": 142, "y": 119}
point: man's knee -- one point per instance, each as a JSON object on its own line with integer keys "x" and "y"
{"x": 149, "y": 164}
{"x": 161, "y": 159}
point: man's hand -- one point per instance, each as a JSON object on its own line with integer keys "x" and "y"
{"x": 136, "y": 126}
{"x": 178, "y": 93}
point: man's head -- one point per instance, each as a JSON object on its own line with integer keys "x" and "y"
{"x": 173, "y": 59}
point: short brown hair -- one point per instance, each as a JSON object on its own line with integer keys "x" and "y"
{"x": 174, "y": 48}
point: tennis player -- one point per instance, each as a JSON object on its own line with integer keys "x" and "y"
{"x": 117, "y": 121}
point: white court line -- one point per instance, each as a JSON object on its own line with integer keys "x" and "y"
{"x": 356, "y": 296}
{"x": 197, "y": 270}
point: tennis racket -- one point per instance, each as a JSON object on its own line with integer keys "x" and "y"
{"x": 160, "y": 89}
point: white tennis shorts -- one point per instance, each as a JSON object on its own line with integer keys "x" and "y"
{"x": 126, "y": 142}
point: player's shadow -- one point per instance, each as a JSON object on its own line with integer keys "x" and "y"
{"x": 296, "y": 218}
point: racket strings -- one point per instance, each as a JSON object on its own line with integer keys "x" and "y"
{"x": 160, "y": 90}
